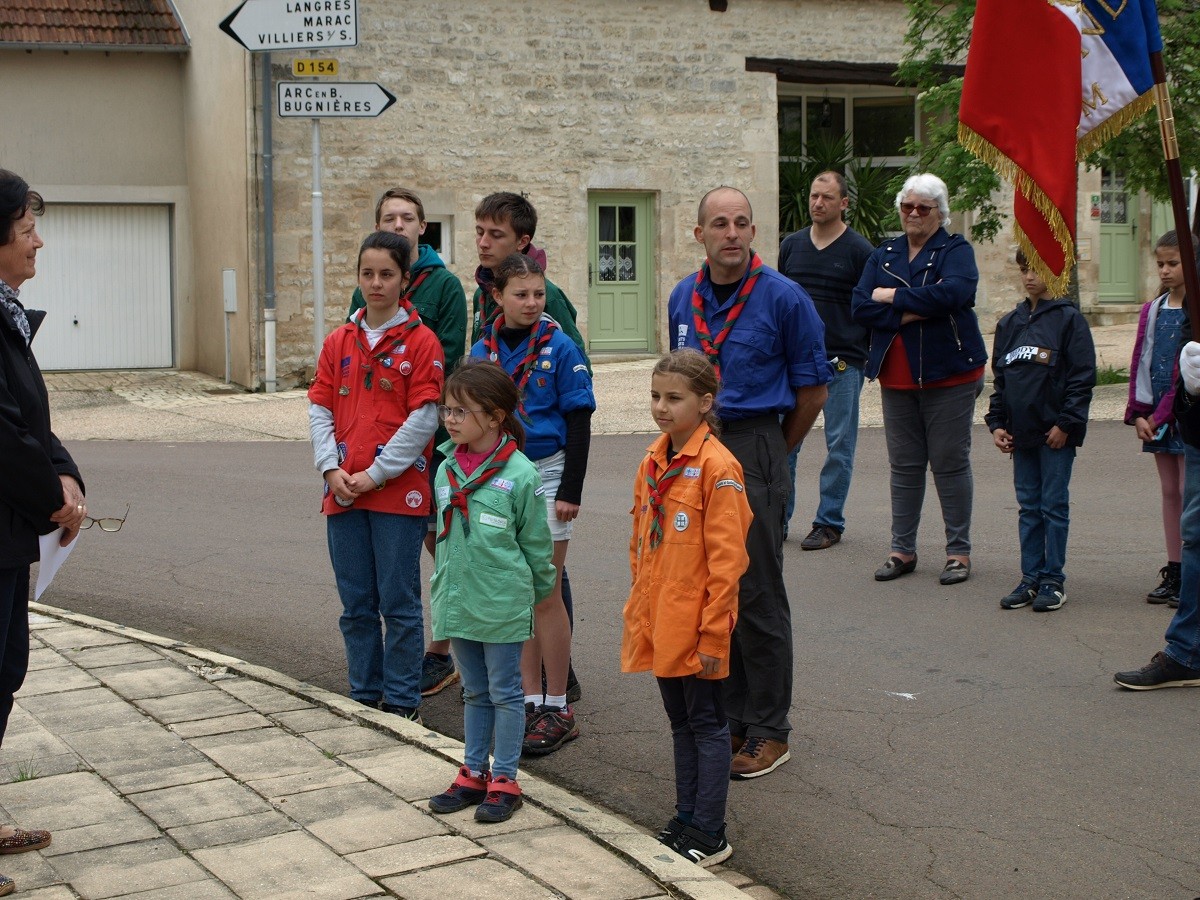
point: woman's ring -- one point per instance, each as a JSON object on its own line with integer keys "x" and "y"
{"x": 80, "y": 508}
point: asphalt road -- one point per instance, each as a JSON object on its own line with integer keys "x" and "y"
{"x": 942, "y": 747}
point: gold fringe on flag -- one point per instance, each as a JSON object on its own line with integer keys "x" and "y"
{"x": 981, "y": 147}
{"x": 1114, "y": 125}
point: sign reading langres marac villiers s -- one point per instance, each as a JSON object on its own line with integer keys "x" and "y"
{"x": 293, "y": 24}
{"x": 332, "y": 99}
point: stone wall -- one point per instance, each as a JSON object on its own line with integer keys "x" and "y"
{"x": 554, "y": 99}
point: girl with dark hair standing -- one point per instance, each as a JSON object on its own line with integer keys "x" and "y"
{"x": 372, "y": 417}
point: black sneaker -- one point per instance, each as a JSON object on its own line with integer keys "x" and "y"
{"x": 704, "y": 850}
{"x": 405, "y": 712}
{"x": 1022, "y": 595}
{"x": 1049, "y": 596}
{"x": 1169, "y": 589}
{"x": 466, "y": 790}
{"x": 551, "y": 729}
{"x": 671, "y": 831}
{"x": 437, "y": 672}
{"x": 1160, "y": 672}
{"x": 820, "y": 538}
{"x": 503, "y": 799}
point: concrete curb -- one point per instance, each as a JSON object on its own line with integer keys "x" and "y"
{"x": 642, "y": 850}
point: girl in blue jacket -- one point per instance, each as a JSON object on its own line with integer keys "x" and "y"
{"x": 556, "y": 404}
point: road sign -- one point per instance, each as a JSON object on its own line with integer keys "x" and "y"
{"x": 293, "y": 24}
{"x": 332, "y": 99}
{"x": 314, "y": 68}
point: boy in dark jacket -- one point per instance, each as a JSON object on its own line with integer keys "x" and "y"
{"x": 1044, "y": 363}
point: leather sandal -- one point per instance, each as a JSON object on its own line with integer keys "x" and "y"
{"x": 895, "y": 567}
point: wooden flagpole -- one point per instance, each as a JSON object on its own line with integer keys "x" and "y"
{"x": 1166, "y": 122}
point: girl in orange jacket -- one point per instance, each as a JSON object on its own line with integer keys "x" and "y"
{"x": 687, "y": 554}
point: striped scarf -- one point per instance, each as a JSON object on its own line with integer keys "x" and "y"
{"x": 711, "y": 347}
{"x": 539, "y": 337}
{"x": 481, "y": 476}
{"x": 8, "y": 299}
{"x": 659, "y": 486}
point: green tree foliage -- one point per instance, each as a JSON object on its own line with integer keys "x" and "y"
{"x": 939, "y": 32}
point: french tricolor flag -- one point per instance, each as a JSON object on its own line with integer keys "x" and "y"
{"x": 1046, "y": 84}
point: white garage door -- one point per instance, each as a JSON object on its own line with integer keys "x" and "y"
{"x": 104, "y": 279}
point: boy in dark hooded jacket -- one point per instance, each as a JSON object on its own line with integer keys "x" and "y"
{"x": 1044, "y": 364}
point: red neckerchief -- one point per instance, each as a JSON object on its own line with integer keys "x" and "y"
{"x": 712, "y": 348}
{"x": 481, "y": 476}
{"x": 412, "y": 288}
{"x": 389, "y": 346}
{"x": 658, "y": 492}
{"x": 539, "y": 337}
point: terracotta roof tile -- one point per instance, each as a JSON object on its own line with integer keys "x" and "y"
{"x": 121, "y": 24}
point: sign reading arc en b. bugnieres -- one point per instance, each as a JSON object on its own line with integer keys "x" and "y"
{"x": 293, "y": 24}
{"x": 331, "y": 99}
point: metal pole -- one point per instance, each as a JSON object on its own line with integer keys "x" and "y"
{"x": 268, "y": 228}
{"x": 1166, "y": 122}
{"x": 318, "y": 245}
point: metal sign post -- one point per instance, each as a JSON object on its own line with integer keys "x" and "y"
{"x": 318, "y": 100}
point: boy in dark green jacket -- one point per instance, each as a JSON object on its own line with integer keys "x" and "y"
{"x": 434, "y": 290}
{"x": 505, "y": 224}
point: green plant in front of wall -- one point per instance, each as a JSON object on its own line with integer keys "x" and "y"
{"x": 1111, "y": 375}
{"x": 872, "y": 211}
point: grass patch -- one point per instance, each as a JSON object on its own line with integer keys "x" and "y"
{"x": 1111, "y": 375}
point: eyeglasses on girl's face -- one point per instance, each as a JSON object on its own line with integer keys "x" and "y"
{"x": 455, "y": 413}
{"x": 109, "y": 525}
{"x": 919, "y": 208}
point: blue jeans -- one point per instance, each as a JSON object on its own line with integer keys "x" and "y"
{"x": 841, "y": 439}
{"x": 376, "y": 560}
{"x": 1042, "y": 478}
{"x": 494, "y": 710}
{"x": 1183, "y": 634}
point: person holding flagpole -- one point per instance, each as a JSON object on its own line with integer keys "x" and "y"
{"x": 766, "y": 342}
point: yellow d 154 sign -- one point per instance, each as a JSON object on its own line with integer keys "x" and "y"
{"x": 314, "y": 68}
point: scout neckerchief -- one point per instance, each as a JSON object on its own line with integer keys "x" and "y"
{"x": 539, "y": 337}
{"x": 712, "y": 348}
{"x": 481, "y": 476}
{"x": 412, "y": 287}
{"x": 389, "y": 346}
{"x": 658, "y": 492}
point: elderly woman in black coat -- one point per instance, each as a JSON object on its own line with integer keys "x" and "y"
{"x": 40, "y": 486}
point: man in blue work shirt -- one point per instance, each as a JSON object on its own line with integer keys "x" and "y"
{"x": 763, "y": 335}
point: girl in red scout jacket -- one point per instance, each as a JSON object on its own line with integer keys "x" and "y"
{"x": 687, "y": 555}
{"x": 492, "y": 561}
{"x": 556, "y": 405}
{"x": 372, "y": 417}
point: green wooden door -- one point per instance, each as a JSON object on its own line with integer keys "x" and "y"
{"x": 1118, "y": 240}
{"x": 620, "y": 272}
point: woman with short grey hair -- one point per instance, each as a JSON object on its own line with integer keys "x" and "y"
{"x": 917, "y": 297}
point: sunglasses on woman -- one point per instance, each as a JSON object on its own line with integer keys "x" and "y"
{"x": 920, "y": 209}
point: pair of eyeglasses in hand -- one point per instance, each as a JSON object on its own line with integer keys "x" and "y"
{"x": 109, "y": 525}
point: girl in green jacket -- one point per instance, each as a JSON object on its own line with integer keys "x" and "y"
{"x": 492, "y": 562}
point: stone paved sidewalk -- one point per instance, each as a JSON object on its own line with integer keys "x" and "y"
{"x": 167, "y": 772}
